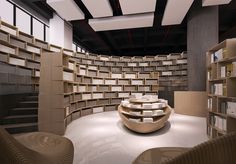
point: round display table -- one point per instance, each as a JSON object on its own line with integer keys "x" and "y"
{"x": 144, "y": 116}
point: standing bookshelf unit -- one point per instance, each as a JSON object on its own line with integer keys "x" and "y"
{"x": 70, "y": 89}
{"x": 221, "y": 88}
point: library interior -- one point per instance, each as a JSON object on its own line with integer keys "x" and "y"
{"x": 117, "y": 81}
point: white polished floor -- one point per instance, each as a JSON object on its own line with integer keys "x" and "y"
{"x": 102, "y": 138}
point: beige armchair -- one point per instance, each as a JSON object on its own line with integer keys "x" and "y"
{"x": 35, "y": 148}
{"x": 221, "y": 150}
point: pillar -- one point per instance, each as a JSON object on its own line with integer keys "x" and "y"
{"x": 202, "y": 34}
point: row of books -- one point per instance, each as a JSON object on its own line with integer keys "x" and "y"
{"x": 228, "y": 70}
{"x": 228, "y": 108}
{"x": 218, "y": 55}
{"x": 147, "y": 113}
{"x": 144, "y": 120}
{"x": 209, "y": 104}
{"x": 224, "y": 108}
{"x": 218, "y": 89}
{"x": 218, "y": 122}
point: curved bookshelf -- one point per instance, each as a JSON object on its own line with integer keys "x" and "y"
{"x": 80, "y": 74}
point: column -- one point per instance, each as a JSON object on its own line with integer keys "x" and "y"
{"x": 202, "y": 34}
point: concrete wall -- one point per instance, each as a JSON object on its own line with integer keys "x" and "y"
{"x": 202, "y": 34}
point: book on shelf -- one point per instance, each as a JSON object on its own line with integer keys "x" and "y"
{"x": 210, "y": 131}
{"x": 223, "y": 71}
{"x": 181, "y": 61}
{"x": 209, "y": 104}
{"x": 217, "y": 89}
{"x": 167, "y": 73}
{"x": 218, "y": 122}
{"x": 147, "y": 113}
{"x": 231, "y": 108}
{"x": 234, "y": 69}
{"x": 158, "y": 112}
{"x": 68, "y": 76}
{"x": 148, "y": 120}
{"x": 231, "y": 69}
{"x": 67, "y": 111}
{"x": 134, "y": 120}
{"x": 97, "y": 109}
{"x": 209, "y": 75}
{"x": 135, "y": 113}
{"x": 223, "y": 107}
{"x": 224, "y": 89}
{"x": 218, "y": 55}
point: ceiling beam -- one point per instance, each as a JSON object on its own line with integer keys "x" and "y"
{"x": 145, "y": 38}
{"x": 115, "y": 5}
{"x": 84, "y": 9}
{"x": 31, "y": 3}
{"x": 151, "y": 34}
{"x": 111, "y": 41}
{"x": 172, "y": 44}
{"x": 230, "y": 33}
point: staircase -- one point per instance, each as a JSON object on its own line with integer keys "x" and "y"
{"x": 24, "y": 117}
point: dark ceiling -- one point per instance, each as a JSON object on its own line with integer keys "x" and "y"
{"x": 141, "y": 41}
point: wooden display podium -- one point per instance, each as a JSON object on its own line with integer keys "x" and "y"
{"x": 136, "y": 118}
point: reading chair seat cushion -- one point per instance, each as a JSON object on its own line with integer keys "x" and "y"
{"x": 35, "y": 148}
{"x": 56, "y": 148}
{"x": 159, "y": 155}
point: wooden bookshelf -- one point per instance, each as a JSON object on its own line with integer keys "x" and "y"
{"x": 87, "y": 73}
{"x": 92, "y": 92}
{"x": 221, "y": 87}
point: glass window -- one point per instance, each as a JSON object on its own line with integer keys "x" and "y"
{"x": 74, "y": 47}
{"x": 79, "y": 49}
{"x": 6, "y": 12}
{"x": 38, "y": 29}
{"x": 23, "y": 21}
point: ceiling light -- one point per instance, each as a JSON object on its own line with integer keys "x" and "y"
{"x": 214, "y": 2}
{"x": 175, "y": 11}
{"x": 137, "y": 6}
{"x": 67, "y": 9}
{"x": 122, "y": 22}
{"x": 102, "y": 10}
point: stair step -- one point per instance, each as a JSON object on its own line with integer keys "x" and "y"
{"x": 23, "y": 111}
{"x": 28, "y": 104}
{"x": 31, "y": 98}
{"x": 21, "y": 128}
{"x": 17, "y": 119}
{"x": 33, "y": 94}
